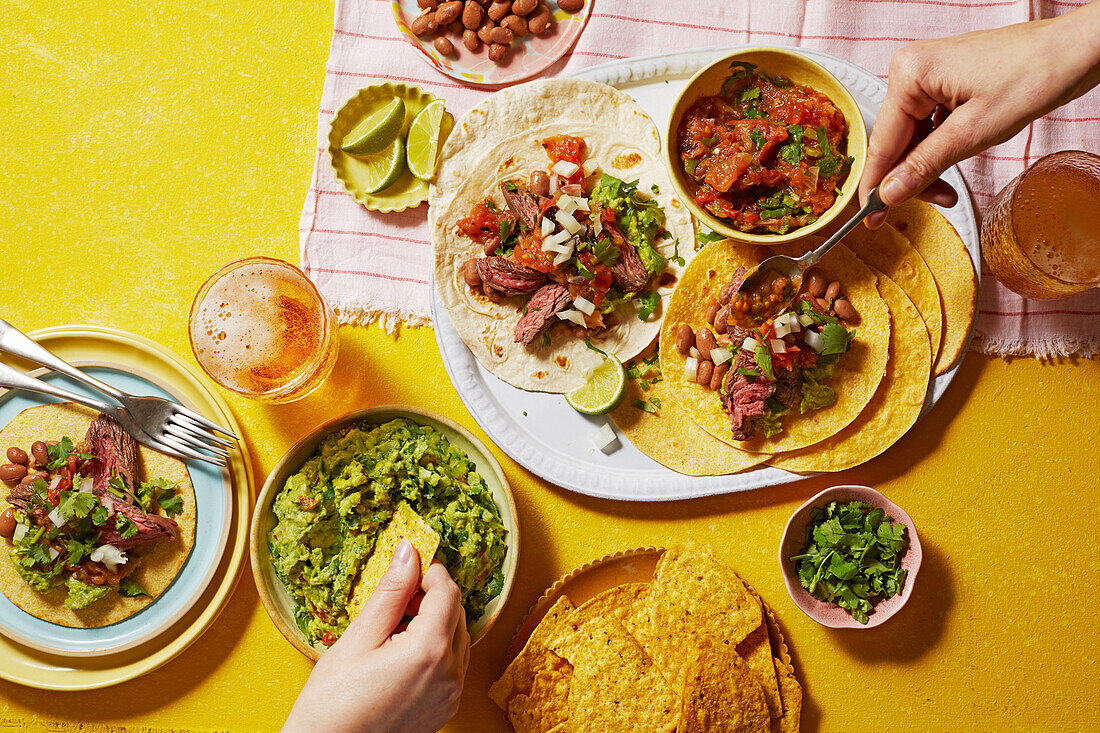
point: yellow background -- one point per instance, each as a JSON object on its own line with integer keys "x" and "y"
{"x": 144, "y": 144}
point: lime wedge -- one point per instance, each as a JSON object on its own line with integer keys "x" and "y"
{"x": 382, "y": 169}
{"x": 603, "y": 391}
{"x": 424, "y": 140}
{"x": 375, "y": 131}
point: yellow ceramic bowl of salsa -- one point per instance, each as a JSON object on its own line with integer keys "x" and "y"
{"x": 750, "y": 149}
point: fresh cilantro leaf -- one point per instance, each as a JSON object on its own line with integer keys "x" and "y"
{"x": 644, "y": 406}
{"x": 702, "y": 239}
{"x": 757, "y": 139}
{"x": 588, "y": 343}
{"x": 128, "y": 588}
{"x": 510, "y": 186}
{"x": 125, "y": 526}
{"x": 752, "y": 113}
{"x": 764, "y": 360}
{"x": 99, "y": 515}
{"x": 646, "y": 303}
{"x": 582, "y": 270}
{"x": 753, "y": 93}
{"x": 171, "y": 502}
{"x": 656, "y": 402}
{"x": 748, "y": 372}
{"x": 792, "y": 151}
{"x": 76, "y": 505}
{"x": 676, "y": 253}
{"x": 59, "y": 453}
{"x": 545, "y": 340}
{"x": 77, "y": 551}
{"x": 117, "y": 486}
{"x": 605, "y": 251}
{"x": 655, "y": 189}
{"x": 836, "y": 339}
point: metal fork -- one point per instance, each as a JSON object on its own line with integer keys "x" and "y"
{"x": 158, "y": 423}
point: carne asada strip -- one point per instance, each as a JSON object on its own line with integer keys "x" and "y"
{"x": 541, "y": 309}
{"x": 508, "y": 277}
{"x": 522, "y": 203}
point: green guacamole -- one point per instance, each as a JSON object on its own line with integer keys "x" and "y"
{"x": 330, "y": 512}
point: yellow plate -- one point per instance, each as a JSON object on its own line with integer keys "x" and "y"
{"x": 407, "y": 191}
{"x": 110, "y": 347}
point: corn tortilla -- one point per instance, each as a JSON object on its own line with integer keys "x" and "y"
{"x": 159, "y": 561}
{"x": 791, "y": 693}
{"x": 405, "y": 524}
{"x": 894, "y": 408}
{"x": 946, "y": 254}
{"x": 756, "y": 650}
{"x": 535, "y": 656}
{"x": 722, "y": 694}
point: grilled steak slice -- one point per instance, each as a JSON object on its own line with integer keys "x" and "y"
{"x": 507, "y": 277}
{"x": 115, "y": 451}
{"x": 742, "y": 399}
{"x": 629, "y": 270}
{"x": 20, "y": 498}
{"x": 788, "y": 387}
{"x": 541, "y": 309}
{"x": 149, "y": 527}
{"x": 523, "y": 203}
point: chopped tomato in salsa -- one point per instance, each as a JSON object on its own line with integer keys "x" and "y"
{"x": 567, "y": 148}
{"x": 765, "y": 154}
{"x": 484, "y": 221}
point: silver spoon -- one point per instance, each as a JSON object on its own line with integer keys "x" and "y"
{"x": 793, "y": 269}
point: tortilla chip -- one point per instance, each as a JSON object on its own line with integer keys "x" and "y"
{"x": 756, "y": 650}
{"x": 158, "y": 562}
{"x": 695, "y": 599}
{"x": 887, "y": 251}
{"x": 671, "y": 437}
{"x": 616, "y": 603}
{"x": 946, "y": 254}
{"x": 405, "y": 524}
{"x": 722, "y": 694}
{"x": 546, "y": 706}
{"x": 894, "y": 408}
{"x": 535, "y": 656}
{"x": 791, "y": 692}
{"x": 615, "y": 685}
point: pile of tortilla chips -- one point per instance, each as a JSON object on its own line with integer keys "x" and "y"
{"x": 688, "y": 651}
{"x": 913, "y": 283}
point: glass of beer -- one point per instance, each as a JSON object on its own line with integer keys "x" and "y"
{"x": 260, "y": 328}
{"x": 1041, "y": 235}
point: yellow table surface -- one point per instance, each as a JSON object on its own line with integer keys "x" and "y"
{"x": 147, "y": 143}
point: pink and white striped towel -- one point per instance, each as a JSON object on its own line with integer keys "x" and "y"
{"x": 375, "y": 267}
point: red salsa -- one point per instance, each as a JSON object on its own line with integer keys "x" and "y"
{"x": 764, "y": 154}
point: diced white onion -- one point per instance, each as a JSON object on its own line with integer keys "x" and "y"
{"x": 720, "y": 355}
{"x": 109, "y": 555}
{"x": 813, "y": 340}
{"x": 589, "y": 167}
{"x": 778, "y": 346}
{"x": 581, "y": 203}
{"x": 805, "y": 320}
{"x": 85, "y": 486}
{"x": 604, "y": 438}
{"x": 691, "y": 369}
{"x": 567, "y": 221}
{"x": 750, "y": 344}
{"x": 548, "y": 226}
{"x": 55, "y": 517}
{"x": 564, "y": 168}
{"x": 562, "y": 258}
{"x": 20, "y": 531}
{"x": 555, "y": 182}
{"x": 554, "y": 242}
{"x": 782, "y": 330}
{"x": 54, "y": 552}
{"x": 584, "y": 305}
{"x": 572, "y": 315}
{"x": 108, "y": 504}
{"x": 793, "y": 325}
{"x": 782, "y": 318}
{"x": 693, "y": 352}
{"x": 55, "y": 481}
{"x": 597, "y": 226}
{"x": 567, "y": 203}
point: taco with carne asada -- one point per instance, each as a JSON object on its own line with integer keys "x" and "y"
{"x": 786, "y": 382}
{"x": 557, "y": 235}
{"x": 101, "y": 529}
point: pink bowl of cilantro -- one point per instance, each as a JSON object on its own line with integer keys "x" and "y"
{"x": 850, "y": 557}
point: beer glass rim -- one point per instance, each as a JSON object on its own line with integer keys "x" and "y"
{"x": 224, "y": 270}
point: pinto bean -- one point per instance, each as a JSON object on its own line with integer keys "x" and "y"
{"x": 425, "y": 24}
{"x": 33, "y": 476}
{"x": 12, "y": 473}
{"x": 712, "y": 312}
{"x": 427, "y": 4}
{"x": 721, "y": 319}
{"x": 472, "y": 14}
{"x": 448, "y": 12}
{"x": 444, "y": 46}
{"x": 822, "y": 304}
{"x": 704, "y": 342}
{"x": 845, "y": 311}
{"x": 471, "y": 41}
{"x": 685, "y": 338}
{"x": 499, "y": 10}
{"x": 497, "y": 51}
{"x": 704, "y": 373}
{"x": 18, "y": 455}
{"x": 487, "y": 26}
{"x": 502, "y": 35}
{"x": 833, "y": 290}
{"x": 7, "y": 523}
{"x": 41, "y": 454}
{"x": 523, "y": 7}
{"x": 491, "y": 245}
{"x": 539, "y": 21}
{"x": 719, "y": 374}
{"x": 726, "y": 293}
{"x": 816, "y": 284}
{"x": 570, "y": 6}
{"x": 540, "y": 183}
{"x": 516, "y": 24}
{"x": 470, "y": 275}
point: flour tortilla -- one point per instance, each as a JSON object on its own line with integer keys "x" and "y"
{"x": 857, "y": 377}
{"x": 160, "y": 561}
{"x": 500, "y": 140}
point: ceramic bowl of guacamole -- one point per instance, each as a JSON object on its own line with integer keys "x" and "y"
{"x": 326, "y": 501}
